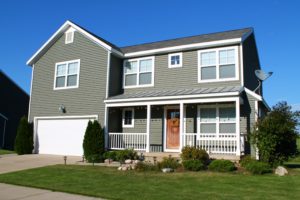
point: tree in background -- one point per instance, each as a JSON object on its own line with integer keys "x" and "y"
{"x": 275, "y": 135}
{"x": 93, "y": 142}
{"x": 24, "y": 138}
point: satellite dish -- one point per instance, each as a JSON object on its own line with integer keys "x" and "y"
{"x": 261, "y": 76}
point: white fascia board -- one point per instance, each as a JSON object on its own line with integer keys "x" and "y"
{"x": 63, "y": 28}
{"x": 67, "y": 117}
{"x": 185, "y": 47}
{"x": 257, "y": 96}
{"x": 173, "y": 102}
{"x": 173, "y": 97}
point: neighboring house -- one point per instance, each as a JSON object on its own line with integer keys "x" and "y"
{"x": 154, "y": 97}
{"x": 13, "y": 106}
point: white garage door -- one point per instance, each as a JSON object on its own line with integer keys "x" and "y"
{"x": 60, "y": 136}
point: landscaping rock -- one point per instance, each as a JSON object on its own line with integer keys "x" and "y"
{"x": 136, "y": 161}
{"x": 128, "y": 161}
{"x": 108, "y": 161}
{"x": 119, "y": 168}
{"x": 167, "y": 170}
{"x": 281, "y": 171}
{"x": 124, "y": 168}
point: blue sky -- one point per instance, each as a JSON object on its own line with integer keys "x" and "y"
{"x": 26, "y": 25}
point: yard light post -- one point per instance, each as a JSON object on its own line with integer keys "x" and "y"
{"x": 65, "y": 160}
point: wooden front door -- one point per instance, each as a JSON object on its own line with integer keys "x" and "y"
{"x": 172, "y": 136}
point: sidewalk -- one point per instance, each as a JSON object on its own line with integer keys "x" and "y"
{"x": 12, "y": 192}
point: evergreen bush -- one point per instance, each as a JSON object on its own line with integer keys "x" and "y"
{"x": 221, "y": 166}
{"x": 93, "y": 142}
{"x": 24, "y": 137}
{"x": 193, "y": 165}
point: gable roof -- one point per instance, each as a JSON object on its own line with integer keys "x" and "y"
{"x": 227, "y": 35}
{"x": 98, "y": 40}
{"x": 178, "y": 44}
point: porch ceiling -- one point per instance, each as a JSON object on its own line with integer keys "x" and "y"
{"x": 178, "y": 92}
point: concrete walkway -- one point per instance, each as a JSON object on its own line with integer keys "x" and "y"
{"x": 12, "y": 192}
{"x": 11, "y": 163}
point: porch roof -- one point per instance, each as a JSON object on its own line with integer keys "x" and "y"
{"x": 178, "y": 93}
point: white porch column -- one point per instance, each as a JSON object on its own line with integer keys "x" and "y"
{"x": 148, "y": 127}
{"x": 238, "y": 132}
{"x": 106, "y": 112}
{"x": 181, "y": 128}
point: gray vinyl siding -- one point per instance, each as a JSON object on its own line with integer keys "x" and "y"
{"x": 116, "y": 71}
{"x": 251, "y": 62}
{"x": 140, "y": 121}
{"x": 247, "y": 120}
{"x": 181, "y": 77}
{"x": 88, "y": 98}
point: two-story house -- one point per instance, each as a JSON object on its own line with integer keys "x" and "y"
{"x": 154, "y": 97}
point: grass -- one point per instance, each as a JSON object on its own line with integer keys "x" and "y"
{"x": 3, "y": 151}
{"x": 112, "y": 184}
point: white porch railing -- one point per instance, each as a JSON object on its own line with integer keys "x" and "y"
{"x": 222, "y": 144}
{"x": 137, "y": 141}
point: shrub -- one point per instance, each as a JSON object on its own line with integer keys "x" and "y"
{"x": 126, "y": 154}
{"x": 257, "y": 167}
{"x": 93, "y": 142}
{"x": 168, "y": 162}
{"x": 24, "y": 138}
{"x": 246, "y": 160}
{"x": 221, "y": 166}
{"x": 275, "y": 135}
{"x": 194, "y": 153}
{"x": 110, "y": 155}
{"x": 193, "y": 165}
{"x": 146, "y": 166}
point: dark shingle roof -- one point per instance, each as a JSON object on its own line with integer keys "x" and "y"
{"x": 177, "y": 92}
{"x": 188, "y": 40}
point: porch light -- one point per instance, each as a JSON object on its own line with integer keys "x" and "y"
{"x": 62, "y": 108}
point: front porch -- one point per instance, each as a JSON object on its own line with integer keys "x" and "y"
{"x": 153, "y": 127}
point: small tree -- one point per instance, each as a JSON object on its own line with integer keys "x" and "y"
{"x": 93, "y": 142}
{"x": 275, "y": 135}
{"x": 24, "y": 138}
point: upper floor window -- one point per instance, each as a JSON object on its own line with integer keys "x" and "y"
{"x": 138, "y": 72}
{"x": 175, "y": 60}
{"x": 67, "y": 74}
{"x": 218, "y": 64}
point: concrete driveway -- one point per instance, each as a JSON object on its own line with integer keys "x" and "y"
{"x": 11, "y": 163}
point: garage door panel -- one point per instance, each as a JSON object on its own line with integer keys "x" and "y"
{"x": 61, "y": 136}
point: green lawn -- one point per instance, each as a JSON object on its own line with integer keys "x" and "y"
{"x": 3, "y": 151}
{"x": 112, "y": 184}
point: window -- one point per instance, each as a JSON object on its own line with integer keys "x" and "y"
{"x": 217, "y": 119}
{"x": 138, "y": 72}
{"x": 218, "y": 64}
{"x": 69, "y": 37}
{"x": 67, "y": 74}
{"x": 128, "y": 118}
{"x": 175, "y": 60}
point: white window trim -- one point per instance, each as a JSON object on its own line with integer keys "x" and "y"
{"x": 176, "y": 65}
{"x": 217, "y": 121}
{"x": 218, "y": 65}
{"x": 70, "y": 30}
{"x": 123, "y": 118}
{"x": 66, "y": 75}
{"x": 138, "y": 72}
